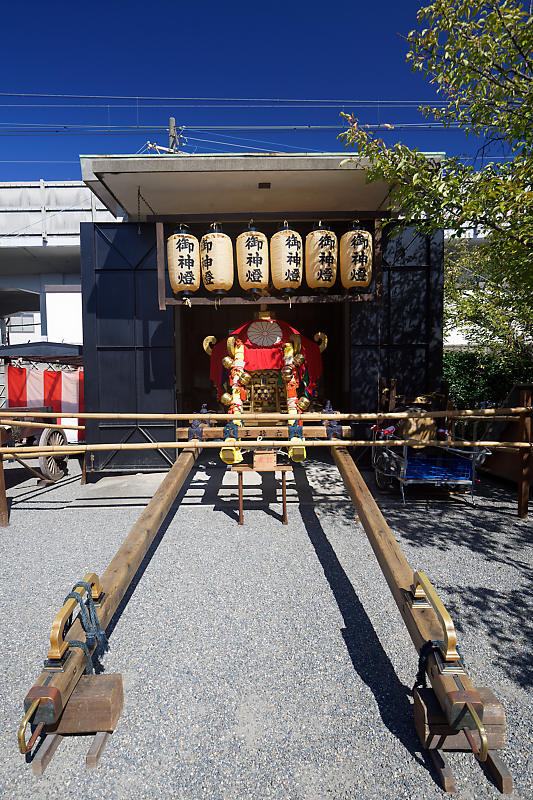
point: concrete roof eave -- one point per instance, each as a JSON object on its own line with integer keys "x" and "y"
{"x": 182, "y": 185}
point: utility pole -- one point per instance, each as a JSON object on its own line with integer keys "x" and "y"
{"x": 172, "y": 135}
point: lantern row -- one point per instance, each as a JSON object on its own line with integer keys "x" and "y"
{"x": 212, "y": 259}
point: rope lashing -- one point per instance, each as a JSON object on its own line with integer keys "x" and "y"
{"x": 421, "y": 678}
{"x": 89, "y": 667}
{"x": 94, "y": 634}
{"x": 295, "y": 430}
{"x": 231, "y": 430}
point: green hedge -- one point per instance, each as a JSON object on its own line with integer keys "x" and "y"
{"x": 478, "y": 378}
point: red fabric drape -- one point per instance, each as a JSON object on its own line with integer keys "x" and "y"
{"x": 256, "y": 357}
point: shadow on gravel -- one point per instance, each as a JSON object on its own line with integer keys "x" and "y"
{"x": 507, "y": 621}
{"x": 214, "y": 483}
{"x": 492, "y": 531}
{"x": 368, "y": 657}
{"x": 434, "y": 517}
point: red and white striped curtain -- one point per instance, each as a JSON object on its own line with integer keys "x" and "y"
{"x": 63, "y": 391}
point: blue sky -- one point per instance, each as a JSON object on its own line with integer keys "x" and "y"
{"x": 346, "y": 51}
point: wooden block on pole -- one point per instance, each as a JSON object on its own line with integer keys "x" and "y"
{"x": 94, "y": 705}
{"x": 4, "y": 513}
{"x": 435, "y": 733}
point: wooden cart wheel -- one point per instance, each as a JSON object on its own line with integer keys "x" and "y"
{"x": 53, "y": 467}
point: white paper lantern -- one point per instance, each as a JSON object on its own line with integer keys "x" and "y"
{"x": 356, "y": 259}
{"x": 216, "y": 259}
{"x": 252, "y": 260}
{"x": 286, "y": 259}
{"x": 183, "y": 257}
{"x": 321, "y": 258}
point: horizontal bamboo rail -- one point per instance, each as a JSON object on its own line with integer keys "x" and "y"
{"x": 22, "y": 422}
{"x": 247, "y": 444}
{"x": 313, "y": 416}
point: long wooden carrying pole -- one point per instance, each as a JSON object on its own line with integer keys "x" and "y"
{"x": 454, "y": 692}
{"x": 55, "y": 687}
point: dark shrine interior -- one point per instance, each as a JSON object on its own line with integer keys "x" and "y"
{"x": 193, "y": 385}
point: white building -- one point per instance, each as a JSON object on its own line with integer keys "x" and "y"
{"x": 40, "y": 258}
{"x": 40, "y": 283}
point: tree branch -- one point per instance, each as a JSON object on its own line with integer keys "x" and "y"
{"x": 510, "y": 34}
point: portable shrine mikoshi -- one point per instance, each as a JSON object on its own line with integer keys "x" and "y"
{"x": 267, "y": 373}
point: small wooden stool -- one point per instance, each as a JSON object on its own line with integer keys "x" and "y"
{"x": 263, "y": 463}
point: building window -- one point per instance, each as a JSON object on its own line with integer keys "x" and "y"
{"x": 22, "y": 323}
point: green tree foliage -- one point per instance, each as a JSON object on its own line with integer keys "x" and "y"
{"x": 479, "y": 55}
{"x": 491, "y": 314}
{"x": 482, "y": 378}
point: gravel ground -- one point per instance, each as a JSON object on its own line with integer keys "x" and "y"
{"x": 264, "y": 661}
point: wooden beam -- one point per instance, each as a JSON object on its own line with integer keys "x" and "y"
{"x": 274, "y": 216}
{"x": 115, "y": 582}
{"x": 452, "y": 692}
{"x": 161, "y": 281}
{"x": 524, "y": 475}
{"x": 4, "y": 511}
{"x": 273, "y": 432}
{"x": 295, "y": 299}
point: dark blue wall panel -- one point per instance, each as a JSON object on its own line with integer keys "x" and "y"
{"x": 401, "y": 338}
{"x": 128, "y": 343}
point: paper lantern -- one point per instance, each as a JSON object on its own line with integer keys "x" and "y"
{"x": 321, "y": 258}
{"x": 216, "y": 259}
{"x": 286, "y": 259}
{"x": 356, "y": 258}
{"x": 252, "y": 260}
{"x": 183, "y": 257}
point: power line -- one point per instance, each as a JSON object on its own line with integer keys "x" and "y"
{"x": 254, "y": 106}
{"x": 280, "y": 100}
{"x": 43, "y": 128}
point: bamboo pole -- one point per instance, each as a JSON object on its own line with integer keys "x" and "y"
{"x": 23, "y": 423}
{"x": 115, "y": 582}
{"x": 250, "y": 444}
{"x": 482, "y": 413}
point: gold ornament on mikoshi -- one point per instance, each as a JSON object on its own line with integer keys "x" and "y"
{"x": 356, "y": 259}
{"x": 286, "y": 259}
{"x": 183, "y": 256}
{"x": 216, "y": 259}
{"x": 321, "y": 258}
{"x": 252, "y": 260}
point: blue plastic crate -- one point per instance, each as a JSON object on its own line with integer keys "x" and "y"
{"x": 444, "y": 468}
